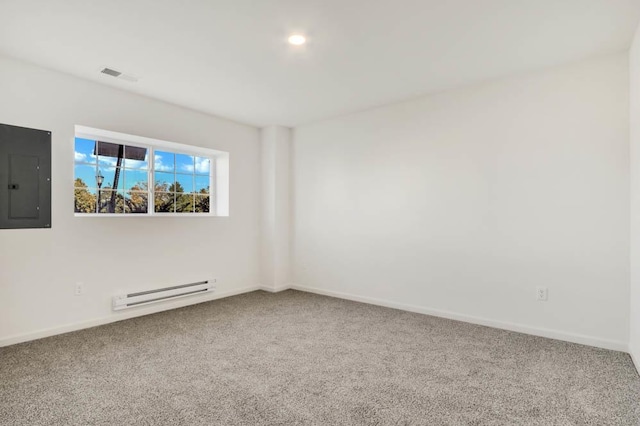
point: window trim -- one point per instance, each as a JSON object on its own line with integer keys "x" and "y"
{"x": 218, "y": 171}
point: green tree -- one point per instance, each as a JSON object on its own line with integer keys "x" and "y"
{"x": 169, "y": 198}
{"x": 138, "y": 199}
{"x": 84, "y": 201}
{"x": 110, "y": 202}
{"x": 176, "y": 187}
{"x": 184, "y": 202}
{"x": 163, "y": 199}
{"x": 202, "y": 201}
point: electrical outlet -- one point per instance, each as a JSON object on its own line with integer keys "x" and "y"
{"x": 79, "y": 290}
{"x": 542, "y": 294}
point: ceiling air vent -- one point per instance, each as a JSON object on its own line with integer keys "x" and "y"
{"x": 118, "y": 74}
{"x": 111, "y": 72}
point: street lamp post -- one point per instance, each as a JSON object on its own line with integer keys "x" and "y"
{"x": 99, "y": 180}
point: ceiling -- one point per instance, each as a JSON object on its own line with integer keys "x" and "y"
{"x": 230, "y": 57}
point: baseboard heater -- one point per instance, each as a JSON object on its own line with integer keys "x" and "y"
{"x": 132, "y": 300}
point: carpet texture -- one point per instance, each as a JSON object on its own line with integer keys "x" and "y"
{"x": 298, "y": 358}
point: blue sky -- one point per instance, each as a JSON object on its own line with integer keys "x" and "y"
{"x": 181, "y": 163}
{"x": 192, "y": 172}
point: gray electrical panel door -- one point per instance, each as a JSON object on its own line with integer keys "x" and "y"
{"x": 25, "y": 178}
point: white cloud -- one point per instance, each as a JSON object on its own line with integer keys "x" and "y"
{"x": 80, "y": 156}
{"x": 136, "y": 164}
{"x": 201, "y": 166}
{"x": 107, "y": 161}
{"x": 159, "y": 166}
{"x": 187, "y": 168}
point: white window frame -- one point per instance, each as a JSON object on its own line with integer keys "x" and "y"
{"x": 218, "y": 171}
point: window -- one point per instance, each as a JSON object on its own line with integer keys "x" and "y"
{"x": 110, "y": 178}
{"x": 181, "y": 183}
{"x": 124, "y": 176}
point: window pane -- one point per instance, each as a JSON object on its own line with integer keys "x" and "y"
{"x": 202, "y": 184}
{"x": 184, "y": 163}
{"x": 85, "y": 176}
{"x": 84, "y": 200}
{"x": 184, "y": 203}
{"x": 164, "y": 161}
{"x": 202, "y": 204}
{"x": 164, "y": 202}
{"x": 184, "y": 183}
{"x": 136, "y": 202}
{"x": 111, "y": 201}
{"x": 84, "y": 151}
{"x": 110, "y": 154}
{"x": 164, "y": 181}
{"x": 112, "y": 177}
{"x": 136, "y": 180}
{"x": 136, "y": 158}
{"x": 202, "y": 166}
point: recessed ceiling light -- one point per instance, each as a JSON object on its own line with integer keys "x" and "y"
{"x": 297, "y": 40}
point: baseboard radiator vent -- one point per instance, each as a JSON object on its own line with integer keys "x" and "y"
{"x": 132, "y": 300}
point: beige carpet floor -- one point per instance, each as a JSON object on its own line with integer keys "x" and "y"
{"x": 297, "y": 358}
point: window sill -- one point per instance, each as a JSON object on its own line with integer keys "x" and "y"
{"x": 143, "y": 215}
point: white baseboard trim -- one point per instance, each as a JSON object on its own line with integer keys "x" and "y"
{"x": 520, "y": 328}
{"x": 636, "y": 361}
{"x": 123, "y": 315}
{"x": 277, "y": 289}
{"x": 120, "y": 316}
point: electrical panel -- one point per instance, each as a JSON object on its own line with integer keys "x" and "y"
{"x": 25, "y": 178}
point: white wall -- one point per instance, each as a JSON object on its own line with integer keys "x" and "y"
{"x": 634, "y": 331}
{"x": 39, "y": 268}
{"x": 460, "y": 204}
{"x": 276, "y": 207}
